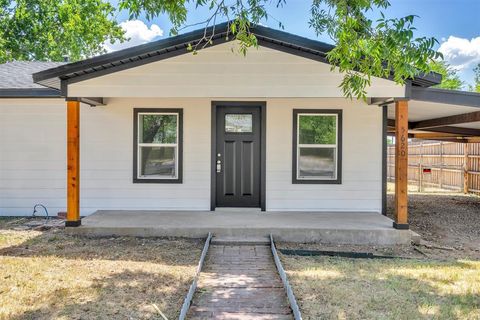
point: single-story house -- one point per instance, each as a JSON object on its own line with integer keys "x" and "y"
{"x": 155, "y": 127}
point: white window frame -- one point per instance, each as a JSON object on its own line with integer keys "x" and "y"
{"x": 317, "y": 146}
{"x": 141, "y": 144}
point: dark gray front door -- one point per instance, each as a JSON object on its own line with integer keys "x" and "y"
{"x": 237, "y": 157}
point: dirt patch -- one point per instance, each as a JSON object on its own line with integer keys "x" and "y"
{"x": 447, "y": 221}
{"x": 449, "y": 225}
{"x": 53, "y": 275}
{"x": 401, "y": 251}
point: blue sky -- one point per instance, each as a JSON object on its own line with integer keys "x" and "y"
{"x": 455, "y": 23}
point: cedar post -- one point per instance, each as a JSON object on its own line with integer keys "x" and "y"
{"x": 73, "y": 164}
{"x": 401, "y": 165}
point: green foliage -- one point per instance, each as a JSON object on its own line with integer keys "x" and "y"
{"x": 241, "y": 14}
{"x": 476, "y": 79}
{"x": 52, "y": 29}
{"x": 316, "y": 129}
{"x": 364, "y": 48}
{"x": 450, "y": 78}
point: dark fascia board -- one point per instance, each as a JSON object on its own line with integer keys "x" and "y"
{"x": 93, "y": 101}
{"x": 156, "y": 50}
{"x": 428, "y": 79}
{"x": 443, "y": 129}
{"x": 29, "y": 93}
{"x": 44, "y": 93}
{"x": 172, "y": 42}
{"x": 461, "y": 98}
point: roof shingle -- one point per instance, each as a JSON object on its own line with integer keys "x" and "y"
{"x": 18, "y": 74}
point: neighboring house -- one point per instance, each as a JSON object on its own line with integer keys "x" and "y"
{"x": 161, "y": 128}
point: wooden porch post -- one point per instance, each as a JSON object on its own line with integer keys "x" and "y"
{"x": 73, "y": 164}
{"x": 401, "y": 165}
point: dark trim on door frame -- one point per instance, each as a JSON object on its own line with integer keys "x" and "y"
{"x": 179, "y": 178}
{"x": 339, "y": 113}
{"x": 263, "y": 150}
{"x": 384, "y": 158}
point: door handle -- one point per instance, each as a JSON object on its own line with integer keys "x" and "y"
{"x": 219, "y": 166}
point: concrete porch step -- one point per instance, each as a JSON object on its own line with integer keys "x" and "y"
{"x": 241, "y": 240}
{"x": 306, "y": 227}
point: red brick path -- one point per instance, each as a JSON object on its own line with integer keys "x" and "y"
{"x": 239, "y": 282}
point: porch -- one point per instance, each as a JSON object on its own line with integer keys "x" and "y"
{"x": 325, "y": 227}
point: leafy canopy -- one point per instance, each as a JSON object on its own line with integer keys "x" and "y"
{"x": 53, "y": 29}
{"x": 450, "y": 78}
{"x": 364, "y": 48}
{"x": 476, "y": 79}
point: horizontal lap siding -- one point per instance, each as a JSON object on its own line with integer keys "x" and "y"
{"x": 32, "y": 155}
{"x": 217, "y": 72}
{"x": 107, "y": 158}
{"x": 362, "y": 159}
{"x": 33, "y": 158}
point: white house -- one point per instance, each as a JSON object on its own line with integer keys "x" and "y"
{"x": 155, "y": 127}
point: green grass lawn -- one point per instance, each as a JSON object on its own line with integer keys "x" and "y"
{"x": 341, "y": 288}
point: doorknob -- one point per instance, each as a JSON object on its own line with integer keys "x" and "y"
{"x": 219, "y": 166}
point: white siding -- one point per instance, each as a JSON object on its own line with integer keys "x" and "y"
{"x": 362, "y": 159}
{"x": 217, "y": 72}
{"x": 107, "y": 158}
{"x": 32, "y": 158}
{"x": 32, "y": 155}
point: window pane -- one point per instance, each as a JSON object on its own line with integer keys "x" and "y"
{"x": 317, "y": 163}
{"x": 157, "y": 161}
{"x": 158, "y": 128}
{"x": 317, "y": 129}
{"x": 238, "y": 123}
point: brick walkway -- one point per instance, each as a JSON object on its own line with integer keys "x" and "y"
{"x": 239, "y": 282}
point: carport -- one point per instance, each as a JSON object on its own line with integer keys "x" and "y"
{"x": 439, "y": 114}
{"x": 425, "y": 113}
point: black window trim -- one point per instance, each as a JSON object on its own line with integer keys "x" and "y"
{"x": 339, "y": 114}
{"x": 179, "y": 111}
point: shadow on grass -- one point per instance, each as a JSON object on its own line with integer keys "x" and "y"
{"x": 50, "y": 275}
{"x": 124, "y": 295}
{"x": 330, "y": 288}
{"x": 59, "y": 244}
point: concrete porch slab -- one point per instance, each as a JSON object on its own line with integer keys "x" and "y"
{"x": 306, "y": 227}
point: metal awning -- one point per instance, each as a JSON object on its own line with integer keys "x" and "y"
{"x": 440, "y": 114}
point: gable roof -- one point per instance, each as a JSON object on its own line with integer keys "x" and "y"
{"x": 16, "y": 79}
{"x": 173, "y": 46}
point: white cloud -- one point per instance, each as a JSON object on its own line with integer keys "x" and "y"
{"x": 461, "y": 53}
{"x": 136, "y": 33}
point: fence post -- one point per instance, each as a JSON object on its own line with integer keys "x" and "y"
{"x": 440, "y": 179}
{"x": 465, "y": 168}
{"x": 420, "y": 169}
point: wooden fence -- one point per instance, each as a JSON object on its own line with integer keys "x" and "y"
{"x": 442, "y": 165}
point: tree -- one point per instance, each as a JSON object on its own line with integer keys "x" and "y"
{"x": 450, "y": 78}
{"x": 52, "y": 29}
{"x": 476, "y": 79}
{"x": 364, "y": 48}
